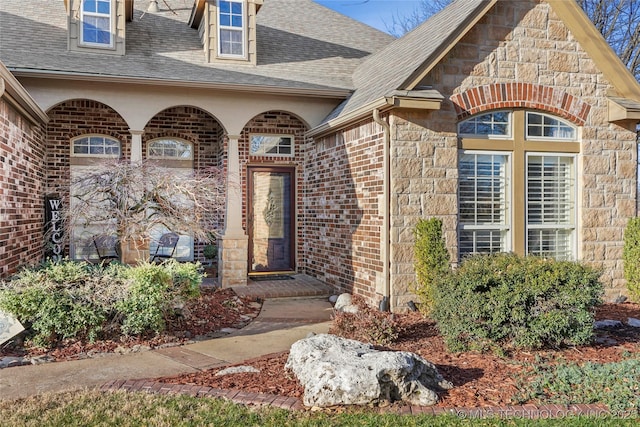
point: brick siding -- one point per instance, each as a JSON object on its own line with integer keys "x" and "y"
{"x": 22, "y": 191}
{"x": 344, "y": 181}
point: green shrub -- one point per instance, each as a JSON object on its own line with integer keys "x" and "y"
{"x": 631, "y": 258}
{"x": 147, "y": 301}
{"x": 62, "y": 300}
{"x": 431, "y": 260}
{"x": 78, "y": 300}
{"x": 506, "y": 301}
{"x": 614, "y": 384}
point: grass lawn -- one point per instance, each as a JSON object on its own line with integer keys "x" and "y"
{"x": 93, "y": 408}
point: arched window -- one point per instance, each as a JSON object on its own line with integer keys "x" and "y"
{"x": 95, "y": 146}
{"x": 170, "y": 149}
{"x": 517, "y": 192}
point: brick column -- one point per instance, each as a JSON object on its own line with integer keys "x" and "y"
{"x": 234, "y": 243}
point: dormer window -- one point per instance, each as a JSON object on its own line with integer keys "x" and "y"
{"x": 231, "y": 26}
{"x": 96, "y": 23}
{"x": 227, "y": 29}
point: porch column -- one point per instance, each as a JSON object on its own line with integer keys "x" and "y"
{"x": 136, "y": 145}
{"x": 234, "y": 243}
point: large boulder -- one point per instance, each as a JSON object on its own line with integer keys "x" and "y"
{"x": 339, "y": 371}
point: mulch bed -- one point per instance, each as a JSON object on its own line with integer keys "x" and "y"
{"x": 480, "y": 380}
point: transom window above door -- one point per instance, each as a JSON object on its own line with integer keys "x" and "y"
{"x": 517, "y": 192}
{"x": 271, "y": 145}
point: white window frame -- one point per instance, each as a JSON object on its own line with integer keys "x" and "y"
{"x": 164, "y": 156}
{"x": 572, "y": 226}
{"x": 242, "y": 30}
{"x": 508, "y": 135}
{"x": 542, "y": 126}
{"x": 262, "y": 147}
{"x": 109, "y": 16}
{"x": 508, "y": 220}
{"x": 89, "y": 154}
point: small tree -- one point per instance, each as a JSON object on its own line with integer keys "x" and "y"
{"x": 431, "y": 259}
{"x": 131, "y": 199}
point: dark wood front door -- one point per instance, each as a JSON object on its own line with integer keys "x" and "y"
{"x": 270, "y": 212}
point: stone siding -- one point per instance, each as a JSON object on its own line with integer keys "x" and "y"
{"x": 518, "y": 56}
{"x": 22, "y": 191}
{"x": 343, "y": 194}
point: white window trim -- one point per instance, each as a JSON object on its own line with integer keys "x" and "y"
{"x": 150, "y": 143}
{"x": 111, "y": 17}
{"x": 243, "y": 30}
{"x": 265, "y": 154}
{"x": 574, "y": 217}
{"x": 508, "y": 136}
{"x": 549, "y": 138}
{"x": 508, "y": 226}
{"x": 104, "y": 156}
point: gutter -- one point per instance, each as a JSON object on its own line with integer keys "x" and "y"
{"x": 272, "y": 90}
{"x": 386, "y": 303}
{"x": 429, "y": 99}
{"x": 12, "y": 91}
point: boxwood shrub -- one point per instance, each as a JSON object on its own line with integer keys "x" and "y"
{"x": 505, "y": 301}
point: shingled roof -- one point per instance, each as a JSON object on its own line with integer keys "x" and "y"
{"x": 392, "y": 67}
{"x": 300, "y": 44}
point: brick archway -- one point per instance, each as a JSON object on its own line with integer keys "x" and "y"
{"x": 520, "y": 95}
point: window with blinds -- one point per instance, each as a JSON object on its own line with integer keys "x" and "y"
{"x": 484, "y": 207}
{"x": 517, "y": 184}
{"x": 550, "y": 206}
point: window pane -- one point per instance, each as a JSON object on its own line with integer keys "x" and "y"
{"x": 225, "y": 20}
{"x": 272, "y": 145}
{"x": 225, "y": 7}
{"x": 495, "y": 123}
{"x": 104, "y": 6}
{"x": 483, "y": 203}
{"x": 236, "y": 8}
{"x": 89, "y": 6}
{"x": 236, "y": 21}
{"x": 550, "y": 206}
{"x": 540, "y": 125}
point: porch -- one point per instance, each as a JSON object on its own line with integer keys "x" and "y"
{"x": 300, "y": 285}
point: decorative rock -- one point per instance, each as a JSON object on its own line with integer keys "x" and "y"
{"x": 342, "y": 301}
{"x": 8, "y": 362}
{"x": 237, "y": 370}
{"x": 632, "y": 321}
{"x": 40, "y": 360}
{"x": 599, "y": 324}
{"x": 339, "y": 371}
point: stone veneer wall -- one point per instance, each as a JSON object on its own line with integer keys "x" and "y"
{"x": 344, "y": 185}
{"x": 21, "y": 190}
{"x": 517, "y": 42}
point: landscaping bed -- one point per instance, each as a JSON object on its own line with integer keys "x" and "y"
{"x": 480, "y": 379}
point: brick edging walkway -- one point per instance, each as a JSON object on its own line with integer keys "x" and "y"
{"x": 295, "y": 404}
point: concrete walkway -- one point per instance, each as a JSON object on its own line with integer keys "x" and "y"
{"x": 281, "y": 322}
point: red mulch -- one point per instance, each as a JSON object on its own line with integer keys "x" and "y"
{"x": 480, "y": 380}
{"x": 215, "y": 309}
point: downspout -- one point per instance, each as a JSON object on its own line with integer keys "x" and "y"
{"x": 386, "y": 303}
